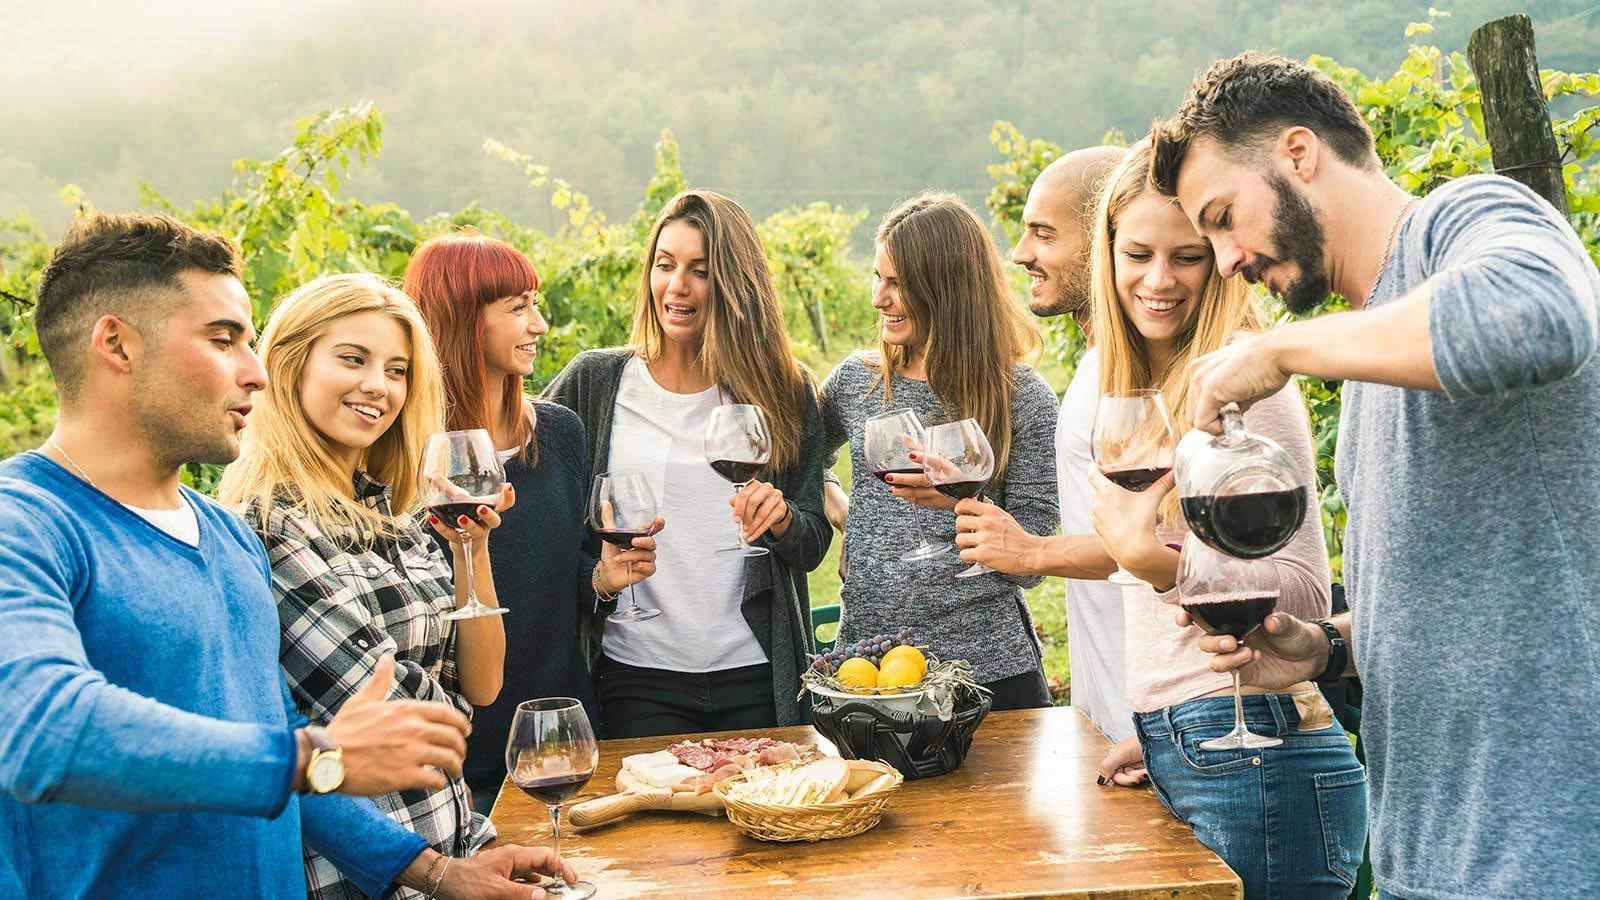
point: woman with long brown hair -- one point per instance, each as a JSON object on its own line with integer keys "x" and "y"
{"x": 734, "y": 632}
{"x": 481, "y": 299}
{"x": 952, "y": 346}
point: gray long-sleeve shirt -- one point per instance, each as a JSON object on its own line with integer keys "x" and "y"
{"x": 1474, "y": 562}
{"x": 981, "y": 619}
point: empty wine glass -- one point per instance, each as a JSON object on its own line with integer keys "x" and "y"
{"x": 959, "y": 463}
{"x": 738, "y": 445}
{"x": 551, "y": 754}
{"x": 460, "y": 473}
{"x": 890, "y": 438}
{"x": 1225, "y": 594}
{"x": 1132, "y": 443}
{"x": 621, "y": 508}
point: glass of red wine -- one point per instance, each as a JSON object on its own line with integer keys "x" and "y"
{"x": 460, "y": 473}
{"x": 959, "y": 463}
{"x": 1225, "y": 594}
{"x": 1240, "y": 492}
{"x": 551, "y": 754}
{"x": 889, "y": 439}
{"x": 621, "y": 508}
{"x": 738, "y": 445}
{"x": 1132, "y": 442}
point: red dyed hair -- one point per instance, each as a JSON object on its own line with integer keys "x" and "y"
{"x": 452, "y": 277}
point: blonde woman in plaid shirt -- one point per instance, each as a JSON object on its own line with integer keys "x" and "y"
{"x": 328, "y": 477}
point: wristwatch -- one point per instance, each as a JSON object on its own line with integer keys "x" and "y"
{"x": 325, "y": 770}
{"x": 1338, "y": 651}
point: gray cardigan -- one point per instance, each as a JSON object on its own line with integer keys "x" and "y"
{"x": 776, "y": 597}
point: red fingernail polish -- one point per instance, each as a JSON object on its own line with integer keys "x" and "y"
{"x": 889, "y": 478}
{"x": 483, "y": 510}
{"x": 464, "y": 520}
{"x": 433, "y": 518}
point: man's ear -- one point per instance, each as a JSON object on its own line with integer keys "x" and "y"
{"x": 115, "y": 344}
{"x": 1298, "y": 153}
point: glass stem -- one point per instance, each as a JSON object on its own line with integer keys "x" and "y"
{"x": 555, "y": 829}
{"x": 633, "y": 602}
{"x": 742, "y": 544}
{"x": 466, "y": 552}
{"x": 1238, "y": 706}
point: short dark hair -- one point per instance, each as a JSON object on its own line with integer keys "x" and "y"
{"x": 124, "y": 265}
{"x": 1243, "y": 102}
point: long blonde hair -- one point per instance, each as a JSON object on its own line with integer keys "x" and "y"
{"x": 1227, "y": 305}
{"x": 746, "y": 347}
{"x": 281, "y": 451}
{"x": 971, "y": 330}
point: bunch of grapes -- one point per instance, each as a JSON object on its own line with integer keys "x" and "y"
{"x": 871, "y": 649}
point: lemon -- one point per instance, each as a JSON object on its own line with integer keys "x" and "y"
{"x": 858, "y": 673}
{"x": 912, "y": 656}
{"x": 901, "y": 672}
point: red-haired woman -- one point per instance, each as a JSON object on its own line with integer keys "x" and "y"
{"x": 481, "y": 299}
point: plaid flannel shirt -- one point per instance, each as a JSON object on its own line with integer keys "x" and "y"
{"x": 341, "y": 609}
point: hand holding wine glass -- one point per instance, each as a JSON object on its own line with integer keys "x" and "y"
{"x": 461, "y": 477}
{"x": 1133, "y": 444}
{"x": 622, "y": 512}
{"x": 1226, "y": 595}
{"x": 889, "y": 441}
{"x": 551, "y": 754}
{"x": 738, "y": 445}
{"x": 1283, "y": 652}
{"x": 959, "y": 462}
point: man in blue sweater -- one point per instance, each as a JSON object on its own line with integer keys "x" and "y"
{"x": 148, "y": 743}
{"x": 1467, "y": 458}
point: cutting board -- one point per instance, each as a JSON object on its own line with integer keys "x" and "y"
{"x": 634, "y": 796}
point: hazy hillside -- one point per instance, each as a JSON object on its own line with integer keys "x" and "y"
{"x": 774, "y": 103}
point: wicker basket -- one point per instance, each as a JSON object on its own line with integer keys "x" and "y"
{"x": 813, "y": 822}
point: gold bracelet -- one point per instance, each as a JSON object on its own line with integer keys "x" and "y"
{"x": 429, "y": 874}
{"x": 601, "y": 592}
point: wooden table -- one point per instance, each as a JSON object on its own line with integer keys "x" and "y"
{"x": 1022, "y": 817}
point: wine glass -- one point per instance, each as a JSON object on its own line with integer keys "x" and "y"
{"x": 551, "y": 754}
{"x": 460, "y": 473}
{"x": 1132, "y": 443}
{"x": 1225, "y": 594}
{"x": 1240, "y": 492}
{"x": 738, "y": 445}
{"x": 621, "y": 508}
{"x": 959, "y": 462}
{"x": 890, "y": 438}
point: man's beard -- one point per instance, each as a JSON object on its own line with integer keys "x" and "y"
{"x": 1297, "y": 238}
{"x": 1071, "y": 298}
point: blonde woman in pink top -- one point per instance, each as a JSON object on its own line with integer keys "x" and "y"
{"x": 1291, "y": 819}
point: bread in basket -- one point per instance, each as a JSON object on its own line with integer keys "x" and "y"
{"x": 826, "y": 799}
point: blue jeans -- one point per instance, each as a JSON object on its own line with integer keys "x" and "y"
{"x": 1290, "y": 820}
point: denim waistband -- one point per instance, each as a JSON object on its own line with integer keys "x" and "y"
{"x": 1277, "y": 713}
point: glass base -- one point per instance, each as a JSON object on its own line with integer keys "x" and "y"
{"x": 926, "y": 551}
{"x": 743, "y": 550}
{"x": 1240, "y": 740}
{"x": 474, "y": 611}
{"x": 633, "y": 614}
{"x": 974, "y": 569}
{"x": 578, "y": 890}
{"x": 1124, "y": 577}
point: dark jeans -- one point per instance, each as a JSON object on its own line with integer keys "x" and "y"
{"x": 639, "y": 702}
{"x": 1026, "y": 691}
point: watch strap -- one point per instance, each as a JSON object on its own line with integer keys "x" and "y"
{"x": 1338, "y": 651}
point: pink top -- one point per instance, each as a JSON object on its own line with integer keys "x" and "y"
{"x": 1165, "y": 665}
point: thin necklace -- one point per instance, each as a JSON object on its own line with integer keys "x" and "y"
{"x": 71, "y": 462}
{"x": 1388, "y": 247}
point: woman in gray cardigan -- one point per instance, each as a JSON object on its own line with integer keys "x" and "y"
{"x": 734, "y": 631}
{"x": 951, "y": 346}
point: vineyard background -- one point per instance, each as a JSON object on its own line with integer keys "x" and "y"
{"x": 306, "y": 210}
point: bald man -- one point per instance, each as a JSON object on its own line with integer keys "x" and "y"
{"x": 1054, "y": 248}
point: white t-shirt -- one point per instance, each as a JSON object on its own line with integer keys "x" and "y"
{"x": 661, "y": 435}
{"x": 181, "y": 523}
{"x": 1094, "y": 608}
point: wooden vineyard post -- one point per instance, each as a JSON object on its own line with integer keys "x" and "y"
{"x": 1515, "y": 118}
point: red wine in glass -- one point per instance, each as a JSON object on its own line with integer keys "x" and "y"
{"x": 553, "y": 790}
{"x": 887, "y": 441}
{"x": 460, "y": 473}
{"x": 451, "y": 513}
{"x": 620, "y": 537}
{"x": 962, "y": 490}
{"x": 736, "y": 471}
{"x": 1137, "y": 479}
{"x": 883, "y": 474}
{"x": 1250, "y": 525}
{"x": 1237, "y": 615}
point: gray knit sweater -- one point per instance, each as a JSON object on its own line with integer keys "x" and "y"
{"x": 983, "y": 619}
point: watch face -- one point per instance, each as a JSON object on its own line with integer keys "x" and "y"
{"x": 327, "y": 773}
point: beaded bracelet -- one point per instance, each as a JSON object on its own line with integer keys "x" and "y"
{"x": 429, "y": 874}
